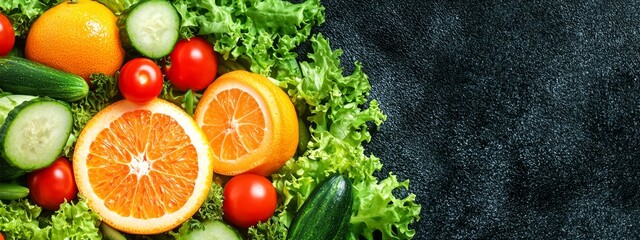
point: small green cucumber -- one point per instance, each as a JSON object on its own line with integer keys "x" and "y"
{"x": 21, "y": 76}
{"x": 326, "y": 213}
{"x": 13, "y": 191}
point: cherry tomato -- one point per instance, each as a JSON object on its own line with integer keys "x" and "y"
{"x": 140, "y": 80}
{"x": 249, "y": 199}
{"x": 1, "y": 237}
{"x": 7, "y": 35}
{"x": 192, "y": 64}
{"x": 50, "y": 186}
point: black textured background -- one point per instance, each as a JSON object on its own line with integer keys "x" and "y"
{"x": 512, "y": 119}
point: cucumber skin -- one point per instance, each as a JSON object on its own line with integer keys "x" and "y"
{"x": 9, "y": 171}
{"x": 326, "y": 213}
{"x": 13, "y": 191}
{"x": 21, "y": 76}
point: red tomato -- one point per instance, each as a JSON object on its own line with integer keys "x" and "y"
{"x": 50, "y": 186}
{"x": 192, "y": 64}
{"x": 1, "y": 237}
{"x": 249, "y": 199}
{"x": 7, "y": 35}
{"x": 140, "y": 80}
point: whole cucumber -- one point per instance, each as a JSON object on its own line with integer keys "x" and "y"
{"x": 21, "y": 76}
{"x": 13, "y": 191}
{"x": 326, "y": 213}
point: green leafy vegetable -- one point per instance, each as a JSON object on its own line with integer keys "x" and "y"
{"x": 22, "y": 13}
{"x": 23, "y": 220}
{"x": 376, "y": 201}
{"x": 211, "y": 209}
{"x": 339, "y": 116}
{"x": 272, "y": 229}
{"x": 259, "y": 34}
{"x": 19, "y": 219}
{"x": 118, "y": 6}
{"x": 104, "y": 89}
{"x": 75, "y": 221}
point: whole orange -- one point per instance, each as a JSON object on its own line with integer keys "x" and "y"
{"x": 78, "y": 37}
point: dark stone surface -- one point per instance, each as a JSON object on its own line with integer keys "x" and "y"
{"x": 511, "y": 119}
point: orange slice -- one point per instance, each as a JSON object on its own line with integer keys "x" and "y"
{"x": 250, "y": 122}
{"x": 144, "y": 169}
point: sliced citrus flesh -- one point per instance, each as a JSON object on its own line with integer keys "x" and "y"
{"x": 251, "y": 124}
{"x": 144, "y": 169}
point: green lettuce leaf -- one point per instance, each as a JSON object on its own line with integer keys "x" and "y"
{"x": 339, "y": 113}
{"x": 270, "y": 230}
{"x": 261, "y": 35}
{"x": 118, "y": 7}
{"x": 19, "y": 219}
{"x": 75, "y": 221}
{"x": 22, "y": 220}
{"x": 22, "y": 13}
{"x": 104, "y": 90}
{"x": 379, "y": 209}
{"x": 211, "y": 209}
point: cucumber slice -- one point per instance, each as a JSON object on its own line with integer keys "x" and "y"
{"x": 34, "y": 134}
{"x": 7, "y": 103}
{"x": 152, "y": 28}
{"x": 214, "y": 230}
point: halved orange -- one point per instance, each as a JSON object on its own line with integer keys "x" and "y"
{"x": 251, "y": 124}
{"x": 144, "y": 169}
